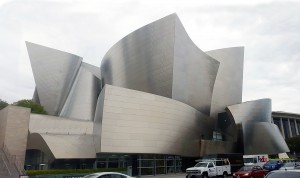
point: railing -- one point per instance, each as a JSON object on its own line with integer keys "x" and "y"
{"x": 5, "y": 166}
{"x": 13, "y": 160}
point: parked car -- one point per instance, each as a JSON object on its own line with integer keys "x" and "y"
{"x": 292, "y": 173}
{"x": 253, "y": 171}
{"x": 107, "y": 175}
{"x": 290, "y": 165}
{"x": 273, "y": 165}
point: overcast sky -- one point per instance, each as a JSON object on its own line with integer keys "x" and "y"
{"x": 269, "y": 31}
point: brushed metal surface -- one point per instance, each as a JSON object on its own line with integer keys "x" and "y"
{"x": 194, "y": 72}
{"x": 143, "y": 60}
{"x": 82, "y": 99}
{"x": 254, "y": 118}
{"x": 161, "y": 59}
{"x": 61, "y": 137}
{"x": 228, "y": 86}
{"x": 54, "y": 72}
{"x": 139, "y": 122}
{"x": 263, "y": 137}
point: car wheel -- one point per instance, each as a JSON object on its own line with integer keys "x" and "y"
{"x": 204, "y": 175}
{"x": 224, "y": 175}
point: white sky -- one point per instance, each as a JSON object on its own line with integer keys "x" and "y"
{"x": 269, "y": 31}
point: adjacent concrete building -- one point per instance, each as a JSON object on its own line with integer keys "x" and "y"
{"x": 156, "y": 102}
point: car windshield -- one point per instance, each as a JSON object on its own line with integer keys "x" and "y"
{"x": 272, "y": 162}
{"x": 246, "y": 168}
{"x": 283, "y": 174}
{"x": 201, "y": 164}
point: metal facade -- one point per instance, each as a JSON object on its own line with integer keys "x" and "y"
{"x": 259, "y": 135}
{"x": 161, "y": 95}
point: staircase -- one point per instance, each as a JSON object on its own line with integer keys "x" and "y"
{"x": 8, "y": 165}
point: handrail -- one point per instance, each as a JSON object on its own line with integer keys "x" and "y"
{"x": 6, "y": 166}
{"x": 13, "y": 159}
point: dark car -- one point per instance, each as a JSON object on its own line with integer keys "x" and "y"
{"x": 292, "y": 173}
{"x": 250, "y": 171}
{"x": 273, "y": 165}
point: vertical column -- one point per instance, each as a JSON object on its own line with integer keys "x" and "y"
{"x": 281, "y": 129}
{"x": 290, "y": 129}
{"x": 296, "y": 126}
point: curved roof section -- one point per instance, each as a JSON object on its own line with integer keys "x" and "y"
{"x": 161, "y": 59}
{"x": 228, "y": 86}
{"x": 54, "y": 72}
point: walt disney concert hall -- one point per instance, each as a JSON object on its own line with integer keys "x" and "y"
{"x": 156, "y": 102}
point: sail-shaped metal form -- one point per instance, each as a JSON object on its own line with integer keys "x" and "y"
{"x": 161, "y": 59}
{"x": 54, "y": 72}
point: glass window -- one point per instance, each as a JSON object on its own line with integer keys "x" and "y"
{"x": 147, "y": 163}
{"x": 147, "y": 156}
{"x": 170, "y": 163}
{"x": 160, "y": 163}
{"x": 277, "y": 122}
{"x": 210, "y": 165}
{"x": 147, "y": 171}
{"x": 293, "y": 127}
{"x": 217, "y": 136}
{"x": 298, "y": 125}
{"x": 201, "y": 164}
{"x": 286, "y": 128}
{"x": 159, "y": 156}
{"x": 160, "y": 170}
{"x": 113, "y": 164}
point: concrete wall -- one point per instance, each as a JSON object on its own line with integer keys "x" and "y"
{"x": 14, "y": 124}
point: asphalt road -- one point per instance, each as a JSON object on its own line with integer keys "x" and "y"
{"x": 179, "y": 175}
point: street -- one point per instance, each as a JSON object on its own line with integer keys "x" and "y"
{"x": 179, "y": 175}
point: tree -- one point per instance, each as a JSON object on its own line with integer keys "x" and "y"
{"x": 293, "y": 144}
{"x": 35, "y": 107}
{"x": 3, "y": 104}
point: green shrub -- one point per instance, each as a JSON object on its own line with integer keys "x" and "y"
{"x": 72, "y": 171}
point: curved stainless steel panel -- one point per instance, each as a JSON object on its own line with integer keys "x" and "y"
{"x": 143, "y": 60}
{"x": 194, "y": 72}
{"x": 82, "y": 99}
{"x": 54, "y": 72}
{"x": 93, "y": 69}
{"x": 138, "y": 122}
{"x": 229, "y": 82}
{"x": 263, "y": 137}
{"x": 251, "y": 117}
{"x": 161, "y": 59}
